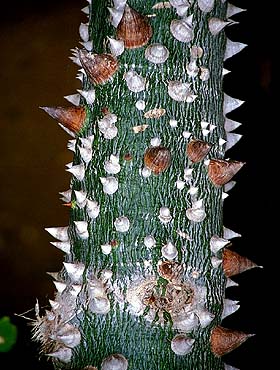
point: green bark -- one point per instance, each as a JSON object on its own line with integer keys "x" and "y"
{"x": 146, "y": 345}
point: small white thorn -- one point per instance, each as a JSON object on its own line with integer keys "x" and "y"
{"x": 87, "y": 141}
{"x": 106, "y": 248}
{"x": 140, "y": 104}
{"x": 212, "y": 128}
{"x": 229, "y": 367}
{"x": 169, "y": 251}
{"x": 60, "y": 287}
{"x": 63, "y": 246}
{"x": 224, "y": 195}
{"x": 75, "y": 59}
{"x": 92, "y": 208}
{"x": 63, "y": 354}
{"x": 115, "y": 16}
{"x": 82, "y": 70}
{"x": 71, "y": 145}
{"x": 205, "y": 317}
{"x": 205, "y": 132}
{"x": 69, "y": 132}
{"x": 193, "y": 190}
{"x": 112, "y": 166}
{"x": 149, "y": 241}
{"x": 229, "y": 185}
{"x": 230, "y": 234}
{"x": 229, "y": 307}
{"x": 69, "y": 165}
{"x": 110, "y": 184}
{"x": 74, "y": 270}
{"x": 233, "y": 48}
{"x": 225, "y": 71}
{"x": 155, "y": 141}
{"x": 75, "y": 289}
{"x": 60, "y": 233}
{"x": 216, "y": 25}
{"x": 216, "y": 261}
{"x": 180, "y": 184}
{"x": 204, "y": 74}
{"x": 230, "y": 283}
{"x": 122, "y": 224}
{"x": 217, "y": 243}
{"x": 173, "y": 123}
{"x": 89, "y": 95}
{"x": 145, "y": 172}
{"x": 232, "y": 10}
{"x": 162, "y": 5}
{"x": 54, "y": 275}
{"x": 188, "y": 174}
{"x": 82, "y": 229}
{"x": 80, "y": 76}
{"x": 196, "y": 213}
{"x": 66, "y": 195}
{"x": 222, "y": 141}
{"x": 186, "y": 134}
{"x": 81, "y": 197}
{"x": 165, "y": 215}
{"x": 231, "y": 125}
{"x": 54, "y": 305}
{"x": 206, "y": 5}
{"x": 85, "y": 10}
{"x": 232, "y": 139}
{"x": 74, "y": 99}
{"x": 116, "y": 46}
{"x": 78, "y": 171}
{"x": 231, "y": 104}
{"x": 87, "y": 45}
{"x": 204, "y": 124}
{"x": 83, "y": 30}
{"x": 86, "y": 154}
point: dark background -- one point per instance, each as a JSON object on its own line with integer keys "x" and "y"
{"x": 36, "y": 38}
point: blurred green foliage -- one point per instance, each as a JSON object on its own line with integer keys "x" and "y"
{"x": 8, "y": 334}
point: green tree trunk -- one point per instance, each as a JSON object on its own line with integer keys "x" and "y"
{"x": 135, "y": 277}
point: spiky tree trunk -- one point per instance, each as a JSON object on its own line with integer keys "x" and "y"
{"x": 144, "y": 278}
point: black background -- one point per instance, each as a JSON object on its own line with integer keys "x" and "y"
{"x": 35, "y": 70}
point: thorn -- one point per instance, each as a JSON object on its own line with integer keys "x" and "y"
{"x": 63, "y": 246}
{"x": 220, "y": 171}
{"x": 71, "y": 118}
{"x": 233, "y": 48}
{"x": 73, "y": 99}
{"x": 230, "y": 234}
{"x": 77, "y": 171}
{"x": 60, "y": 233}
{"x": 232, "y": 139}
{"x": 225, "y": 340}
{"x": 234, "y": 264}
{"x": 230, "y": 307}
{"x": 231, "y": 125}
{"x": 232, "y": 10}
{"x": 231, "y": 104}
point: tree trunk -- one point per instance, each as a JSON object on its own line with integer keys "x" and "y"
{"x": 143, "y": 277}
